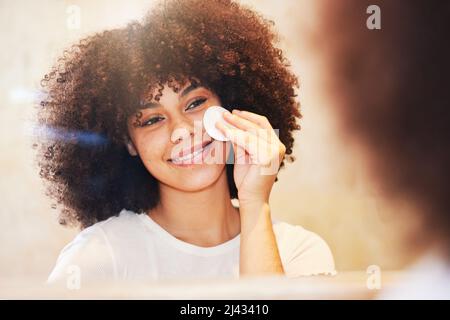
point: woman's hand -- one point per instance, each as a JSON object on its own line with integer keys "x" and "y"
{"x": 258, "y": 155}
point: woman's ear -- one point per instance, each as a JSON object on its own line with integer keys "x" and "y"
{"x": 130, "y": 147}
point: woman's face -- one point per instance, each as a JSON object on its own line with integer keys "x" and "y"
{"x": 172, "y": 128}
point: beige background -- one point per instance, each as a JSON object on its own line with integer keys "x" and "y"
{"x": 323, "y": 190}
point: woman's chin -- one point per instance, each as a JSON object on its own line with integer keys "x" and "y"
{"x": 196, "y": 177}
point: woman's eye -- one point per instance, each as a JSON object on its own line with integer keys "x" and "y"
{"x": 196, "y": 103}
{"x": 156, "y": 119}
{"x": 152, "y": 121}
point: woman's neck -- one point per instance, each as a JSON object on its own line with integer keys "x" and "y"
{"x": 205, "y": 218}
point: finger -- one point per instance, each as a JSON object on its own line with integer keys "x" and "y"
{"x": 240, "y": 122}
{"x": 257, "y": 119}
{"x": 259, "y": 150}
{"x": 262, "y": 150}
{"x": 260, "y": 120}
{"x": 222, "y": 126}
{"x": 233, "y": 124}
{"x": 244, "y": 124}
{"x": 240, "y": 155}
{"x": 242, "y": 140}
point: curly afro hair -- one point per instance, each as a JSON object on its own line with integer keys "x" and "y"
{"x": 100, "y": 82}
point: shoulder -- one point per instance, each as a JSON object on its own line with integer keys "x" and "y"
{"x": 418, "y": 283}
{"x": 93, "y": 252}
{"x": 302, "y": 252}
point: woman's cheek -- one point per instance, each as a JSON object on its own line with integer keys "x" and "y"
{"x": 151, "y": 146}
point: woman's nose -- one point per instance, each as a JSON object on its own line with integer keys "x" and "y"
{"x": 182, "y": 132}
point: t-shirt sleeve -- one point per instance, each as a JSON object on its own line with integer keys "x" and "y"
{"x": 303, "y": 253}
{"x": 87, "y": 259}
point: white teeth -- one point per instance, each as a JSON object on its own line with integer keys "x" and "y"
{"x": 189, "y": 156}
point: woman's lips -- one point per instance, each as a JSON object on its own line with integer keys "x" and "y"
{"x": 187, "y": 159}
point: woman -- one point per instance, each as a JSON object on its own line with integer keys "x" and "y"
{"x": 124, "y": 103}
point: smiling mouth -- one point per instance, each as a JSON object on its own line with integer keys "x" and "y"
{"x": 192, "y": 155}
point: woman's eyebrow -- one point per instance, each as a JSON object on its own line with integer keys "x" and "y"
{"x": 189, "y": 89}
{"x": 149, "y": 105}
{"x": 152, "y": 105}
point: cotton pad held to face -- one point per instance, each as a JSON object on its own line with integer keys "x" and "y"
{"x": 211, "y": 116}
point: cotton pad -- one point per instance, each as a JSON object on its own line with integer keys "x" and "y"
{"x": 211, "y": 116}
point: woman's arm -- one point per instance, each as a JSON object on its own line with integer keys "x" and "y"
{"x": 258, "y": 154}
{"x": 259, "y": 251}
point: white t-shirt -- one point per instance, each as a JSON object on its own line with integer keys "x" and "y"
{"x": 133, "y": 247}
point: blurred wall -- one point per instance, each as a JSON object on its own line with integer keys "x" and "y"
{"x": 324, "y": 190}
